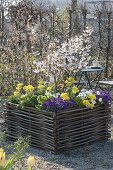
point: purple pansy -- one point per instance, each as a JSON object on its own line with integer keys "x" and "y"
{"x": 55, "y": 104}
{"x": 106, "y": 98}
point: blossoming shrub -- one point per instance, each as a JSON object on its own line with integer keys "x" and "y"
{"x": 45, "y": 96}
{"x": 71, "y": 56}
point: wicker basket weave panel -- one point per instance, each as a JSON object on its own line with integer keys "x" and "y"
{"x": 59, "y": 131}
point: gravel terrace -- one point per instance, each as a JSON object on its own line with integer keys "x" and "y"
{"x": 98, "y": 156}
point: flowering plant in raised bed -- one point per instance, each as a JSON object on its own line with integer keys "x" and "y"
{"x": 45, "y": 97}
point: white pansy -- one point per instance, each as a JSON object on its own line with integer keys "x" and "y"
{"x": 98, "y": 93}
{"x": 57, "y": 95}
{"x": 49, "y": 94}
{"x": 100, "y": 99}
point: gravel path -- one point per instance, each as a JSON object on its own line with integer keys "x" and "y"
{"x": 98, "y": 156}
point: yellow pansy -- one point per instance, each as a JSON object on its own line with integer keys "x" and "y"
{"x": 92, "y": 97}
{"x": 65, "y": 96}
{"x": 86, "y": 103}
{"x": 41, "y": 87}
{"x": 19, "y": 86}
{"x": 31, "y": 161}
{"x": 16, "y": 93}
{"x": 28, "y": 89}
{"x": 72, "y": 80}
{"x": 49, "y": 88}
{"x": 75, "y": 90}
{"x": 68, "y": 83}
{"x": 41, "y": 82}
{"x": 18, "y": 89}
{"x": 2, "y": 157}
{"x": 91, "y": 105}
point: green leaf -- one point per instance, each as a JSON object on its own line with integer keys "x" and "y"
{"x": 9, "y": 164}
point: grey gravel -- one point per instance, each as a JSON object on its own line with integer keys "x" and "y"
{"x": 97, "y": 156}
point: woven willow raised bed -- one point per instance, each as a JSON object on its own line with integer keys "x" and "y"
{"x": 59, "y": 131}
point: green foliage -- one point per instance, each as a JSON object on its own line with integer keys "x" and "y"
{"x": 14, "y": 99}
{"x": 41, "y": 99}
{"x": 78, "y": 101}
{"x": 28, "y": 100}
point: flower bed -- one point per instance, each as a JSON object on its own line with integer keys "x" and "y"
{"x": 58, "y": 120}
{"x": 59, "y": 131}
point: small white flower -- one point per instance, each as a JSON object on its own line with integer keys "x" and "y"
{"x": 36, "y": 71}
{"x": 90, "y": 91}
{"x": 57, "y": 94}
{"x": 100, "y": 99}
{"x": 94, "y": 102}
{"x": 83, "y": 90}
{"x": 98, "y": 93}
